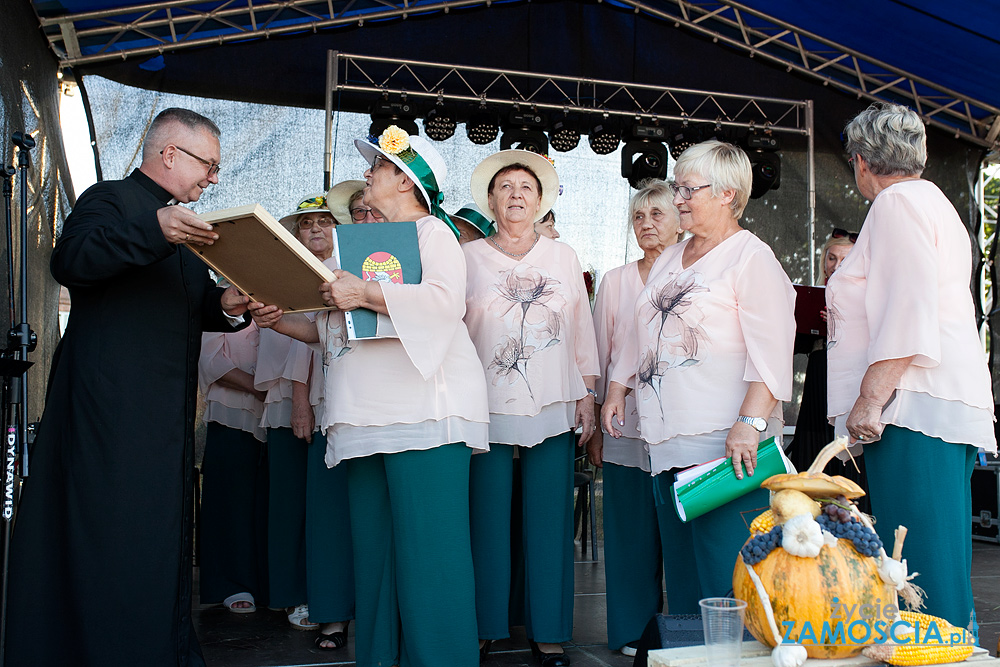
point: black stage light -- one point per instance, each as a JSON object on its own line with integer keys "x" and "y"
{"x": 523, "y": 130}
{"x": 482, "y": 127}
{"x": 440, "y": 123}
{"x": 643, "y": 159}
{"x": 385, "y": 113}
{"x": 683, "y": 138}
{"x": 603, "y": 137}
{"x": 765, "y": 164}
{"x": 565, "y": 134}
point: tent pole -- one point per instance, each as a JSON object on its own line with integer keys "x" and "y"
{"x": 331, "y": 84}
{"x": 811, "y": 175}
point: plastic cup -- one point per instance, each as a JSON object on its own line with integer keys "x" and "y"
{"x": 722, "y": 619}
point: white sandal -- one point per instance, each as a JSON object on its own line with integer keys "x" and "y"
{"x": 240, "y": 597}
{"x": 299, "y": 618}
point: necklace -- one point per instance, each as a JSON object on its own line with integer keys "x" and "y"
{"x": 510, "y": 254}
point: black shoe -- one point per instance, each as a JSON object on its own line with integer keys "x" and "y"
{"x": 549, "y": 659}
{"x": 485, "y": 649}
{"x": 338, "y": 639}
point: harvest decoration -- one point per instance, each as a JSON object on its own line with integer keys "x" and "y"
{"x": 830, "y": 559}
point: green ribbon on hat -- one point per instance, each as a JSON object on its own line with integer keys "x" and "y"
{"x": 481, "y": 222}
{"x": 425, "y": 175}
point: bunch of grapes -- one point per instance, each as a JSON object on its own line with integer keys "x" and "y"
{"x": 838, "y": 509}
{"x": 761, "y": 545}
{"x": 864, "y": 539}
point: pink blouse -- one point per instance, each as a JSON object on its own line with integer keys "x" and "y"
{"x": 531, "y": 323}
{"x": 614, "y": 307}
{"x": 420, "y": 388}
{"x": 701, "y": 335}
{"x": 904, "y": 291}
{"x": 221, "y": 353}
{"x": 281, "y": 361}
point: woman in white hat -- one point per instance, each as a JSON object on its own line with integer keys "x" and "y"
{"x": 410, "y": 409}
{"x": 310, "y": 562}
{"x": 529, "y": 316}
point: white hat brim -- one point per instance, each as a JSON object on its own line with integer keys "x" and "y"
{"x": 487, "y": 169}
{"x": 369, "y": 151}
{"x": 338, "y": 200}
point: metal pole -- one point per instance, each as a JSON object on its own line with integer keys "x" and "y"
{"x": 811, "y": 175}
{"x": 331, "y": 77}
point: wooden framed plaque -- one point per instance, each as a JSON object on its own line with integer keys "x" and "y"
{"x": 264, "y": 260}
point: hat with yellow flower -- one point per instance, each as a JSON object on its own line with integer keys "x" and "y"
{"x": 418, "y": 159}
{"x": 308, "y": 204}
{"x": 472, "y": 215}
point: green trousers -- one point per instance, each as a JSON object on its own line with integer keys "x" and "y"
{"x": 310, "y": 556}
{"x": 924, "y": 483}
{"x": 233, "y": 527}
{"x": 547, "y": 501}
{"x": 413, "y": 559}
{"x": 633, "y": 565}
{"x": 699, "y": 556}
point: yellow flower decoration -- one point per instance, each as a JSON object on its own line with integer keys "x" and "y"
{"x": 394, "y": 140}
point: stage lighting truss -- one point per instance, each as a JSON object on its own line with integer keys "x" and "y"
{"x": 565, "y": 133}
{"x": 440, "y": 122}
{"x": 399, "y": 113}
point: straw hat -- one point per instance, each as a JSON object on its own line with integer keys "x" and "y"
{"x": 539, "y": 164}
{"x": 309, "y": 204}
{"x": 472, "y": 215}
{"x": 418, "y": 159}
{"x": 338, "y": 199}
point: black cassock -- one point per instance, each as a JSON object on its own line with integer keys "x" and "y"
{"x": 100, "y": 566}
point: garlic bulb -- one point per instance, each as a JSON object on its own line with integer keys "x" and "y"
{"x": 802, "y": 536}
{"x": 789, "y": 655}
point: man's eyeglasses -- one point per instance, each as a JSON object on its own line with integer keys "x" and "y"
{"x": 323, "y": 222}
{"x": 685, "y": 191}
{"x": 839, "y": 233}
{"x": 213, "y": 167}
{"x": 850, "y": 162}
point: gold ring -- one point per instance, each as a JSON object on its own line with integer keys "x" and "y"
{"x": 187, "y": 237}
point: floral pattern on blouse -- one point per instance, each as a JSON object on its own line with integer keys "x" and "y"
{"x": 531, "y": 309}
{"x": 337, "y": 340}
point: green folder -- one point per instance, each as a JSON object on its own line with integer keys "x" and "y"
{"x": 384, "y": 251}
{"x": 711, "y": 485}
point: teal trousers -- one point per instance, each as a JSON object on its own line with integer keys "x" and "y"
{"x": 547, "y": 533}
{"x": 924, "y": 483}
{"x": 633, "y": 565}
{"x": 699, "y": 556}
{"x": 310, "y": 557}
{"x": 412, "y": 558}
{"x": 233, "y": 527}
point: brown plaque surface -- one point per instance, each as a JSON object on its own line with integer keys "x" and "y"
{"x": 263, "y": 259}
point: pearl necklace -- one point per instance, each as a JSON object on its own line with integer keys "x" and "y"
{"x": 510, "y": 254}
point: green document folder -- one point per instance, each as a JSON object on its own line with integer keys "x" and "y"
{"x": 383, "y": 251}
{"x": 711, "y": 485}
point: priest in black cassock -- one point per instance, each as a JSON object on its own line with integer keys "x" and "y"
{"x": 100, "y": 569}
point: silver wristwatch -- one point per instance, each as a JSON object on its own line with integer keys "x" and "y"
{"x": 759, "y": 423}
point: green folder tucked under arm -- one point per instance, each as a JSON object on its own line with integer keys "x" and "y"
{"x": 701, "y": 489}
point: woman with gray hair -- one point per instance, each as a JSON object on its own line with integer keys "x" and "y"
{"x": 709, "y": 356}
{"x": 906, "y": 365}
{"x": 631, "y": 537}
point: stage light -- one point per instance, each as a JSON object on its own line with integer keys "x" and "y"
{"x": 523, "y": 130}
{"x": 603, "y": 137}
{"x": 482, "y": 127}
{"x": 385, "y": 113}
{"x": 765, "y": 164}
{"x": 645, "y": 155}
{"x": 565, "y": 134}
{"x": 682, "y": 138}
{"x": 439, "y": 123}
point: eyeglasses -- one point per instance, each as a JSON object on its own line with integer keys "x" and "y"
{"x": 685, "y": 191}
{"x": 378, "y": 162}
{"x": 850, "y": 162}
{"x": 839, "y": 233}
{"x": 213, "y": 167}
{"x": 360, "y": 214}
{"x": 308, "y": 224}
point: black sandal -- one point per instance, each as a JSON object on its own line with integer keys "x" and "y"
{"x": 338, "y": 639}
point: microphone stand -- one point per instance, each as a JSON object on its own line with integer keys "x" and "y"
{"x": 14, "y": 364}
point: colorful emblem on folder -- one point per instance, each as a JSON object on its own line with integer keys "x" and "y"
{"x": 383, "y": 267}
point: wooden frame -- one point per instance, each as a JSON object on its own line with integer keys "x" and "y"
{"x": 264, "y": 260}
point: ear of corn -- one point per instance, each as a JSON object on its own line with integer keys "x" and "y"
{"x": 763, "y": 523}
{"x": 923, "y": 654}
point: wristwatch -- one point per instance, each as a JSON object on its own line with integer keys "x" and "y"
{"x": 759, "y": 423}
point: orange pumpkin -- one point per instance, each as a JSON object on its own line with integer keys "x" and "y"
{"x": 803, "y": 590}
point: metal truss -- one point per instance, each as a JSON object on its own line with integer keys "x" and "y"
{"x": 169, "y": 25}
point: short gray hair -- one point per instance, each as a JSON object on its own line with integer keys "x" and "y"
{"x": 891, "y": 139}
{"x": 725, "y": 166}
{"x": 652, "y": 192}
{"x": 189, "y": 119}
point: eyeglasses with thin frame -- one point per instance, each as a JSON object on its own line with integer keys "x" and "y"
{"x": 304, "y": 224}
{"x": 213, "y": 167}
{"x": 378, "y": 162}
{"x": 685, "y": 191}
{"x": 839, "y": 233}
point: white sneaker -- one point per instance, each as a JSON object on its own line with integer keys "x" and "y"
{"x": 629, "y": 649}
{"x": 299, "y": 618}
